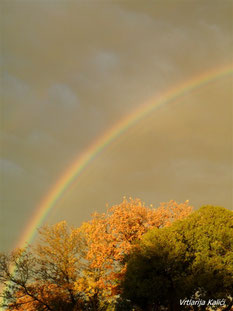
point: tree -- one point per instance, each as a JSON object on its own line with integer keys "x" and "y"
{"x": 110, "y": 237}
{"x": 80, "y": 269}
{"x": 192, "y": 258}
{"x": 43, "y": 277}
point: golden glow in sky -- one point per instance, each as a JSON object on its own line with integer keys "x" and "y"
{"x": 73, "y": 69}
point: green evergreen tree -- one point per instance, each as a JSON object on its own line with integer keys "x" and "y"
{"x": 191, "y": 259}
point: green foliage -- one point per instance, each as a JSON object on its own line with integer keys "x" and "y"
{"x": 193, "y": 257}
{"x": 123, "y": 305}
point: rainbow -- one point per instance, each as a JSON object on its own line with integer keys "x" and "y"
{"x": 71, "y": 174}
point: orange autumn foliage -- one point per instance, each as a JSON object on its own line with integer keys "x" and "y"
{"x": 45, "y": 273}
{"x": 60, "y": 252}
{"x": 46, "y": 297}
{"x": 81, "y": 268}
{"x": 110, "y": 237}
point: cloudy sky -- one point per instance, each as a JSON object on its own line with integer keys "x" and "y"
{"x": 73, "y": 69}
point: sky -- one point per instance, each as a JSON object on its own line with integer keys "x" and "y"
{"x": 71, "y": 70}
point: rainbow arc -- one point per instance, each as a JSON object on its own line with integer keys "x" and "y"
{"x": 75, "y": 169}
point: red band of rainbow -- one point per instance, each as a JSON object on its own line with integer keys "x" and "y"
{"x": 75, "y": 169}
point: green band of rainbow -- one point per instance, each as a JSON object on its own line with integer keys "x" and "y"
{"x": 98, "y": 145}
{"x": 75, "y": 169}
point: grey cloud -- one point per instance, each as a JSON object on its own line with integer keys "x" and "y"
{"x": 41, "y": 138}
{"x": 11, "y": 168}
{"x": 133, "y": 18}
{"x": 62, "y": 95}
{"x": 105, "y": 61}
{"x": 75, "y": 68}
{"x": 14, "y": 87}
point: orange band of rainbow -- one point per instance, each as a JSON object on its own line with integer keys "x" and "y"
{"x": 98, "y": 145}
{"x": 75, "y": 169}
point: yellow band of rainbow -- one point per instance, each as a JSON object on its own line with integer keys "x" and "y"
{"x": 83, "y": 159}
{"x": 74, "y": 170}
